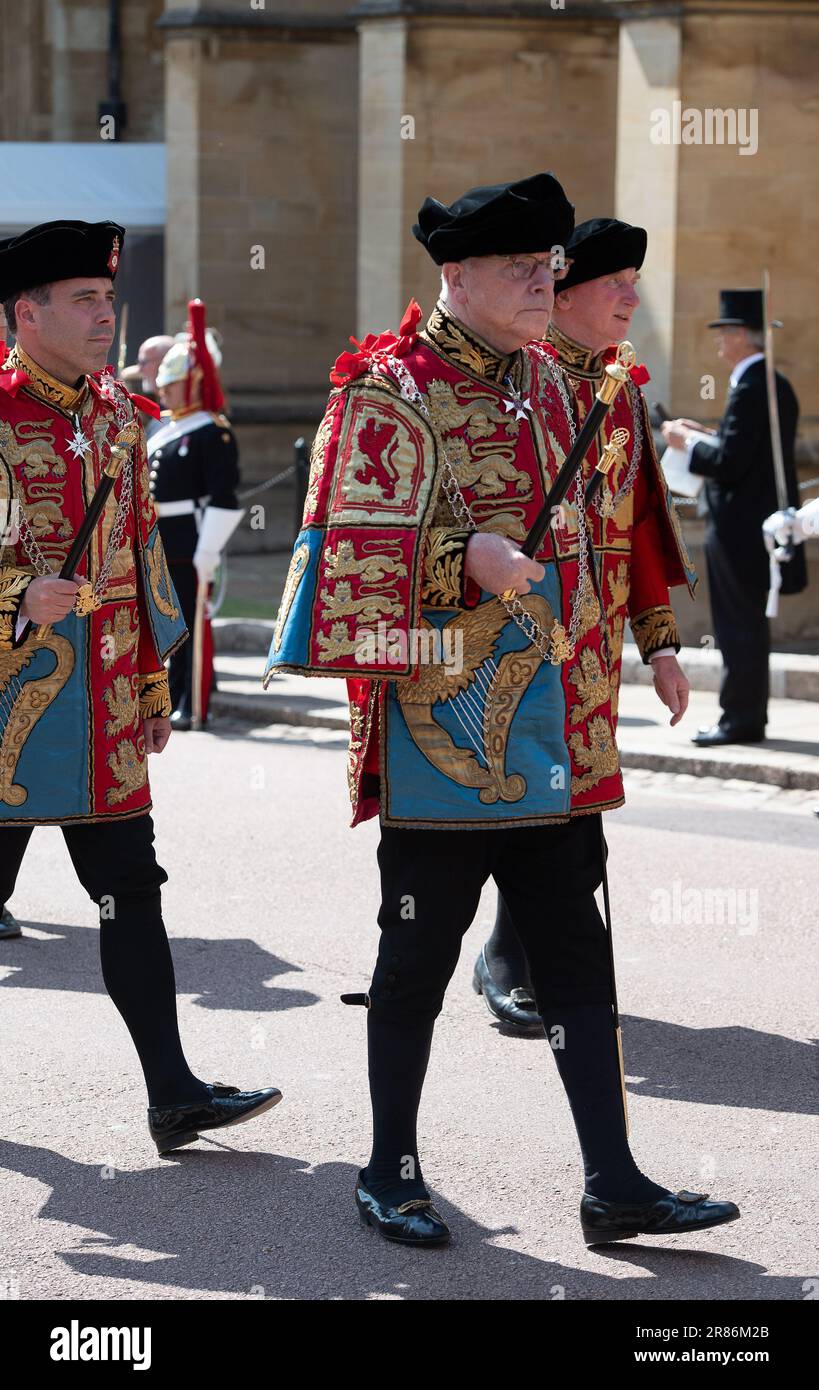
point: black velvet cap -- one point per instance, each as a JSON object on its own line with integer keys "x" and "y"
{"x": 59, "y": 251}
{"x": 602, "y": 246}
{"x": 502, "y": 219}
{"x": 740, "y": 309}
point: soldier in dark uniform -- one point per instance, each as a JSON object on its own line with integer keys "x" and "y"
{"x": 194, "y": 466}
{"x": 740, "y": 492}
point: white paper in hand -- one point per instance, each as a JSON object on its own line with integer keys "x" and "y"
{"x": 675, "y": 467}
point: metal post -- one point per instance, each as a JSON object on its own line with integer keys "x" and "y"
{"x": 302, "y": 474}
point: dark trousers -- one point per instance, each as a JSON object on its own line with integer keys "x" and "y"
{"x": 113, "y": 860}
{"x": 180, "y": 665}
{"x": 431, "y": 884}
{"x": 743, "y": 637}
{"x": 116, "y": 865}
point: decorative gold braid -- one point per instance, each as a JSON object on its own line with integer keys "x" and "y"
{"x": 13, "y": 584}
{"x": 154, "y": 695}
{"x": 655, "y": 628}
{"x": 466, "y": 349}
{"x": 43, "y": 384}
{"x": 443, "y": 575}
{"x": 575, "y": 357}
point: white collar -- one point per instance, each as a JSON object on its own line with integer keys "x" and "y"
{"x": 742, "y": 367}
{"x": 173, "y": 429}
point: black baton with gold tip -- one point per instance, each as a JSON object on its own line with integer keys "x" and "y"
{"x": 609, "y": 455}
{"x": 615, "y": 376}
{"x": 120, "y": 449}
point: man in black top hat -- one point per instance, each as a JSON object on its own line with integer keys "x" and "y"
{"x": 740, "y": 492}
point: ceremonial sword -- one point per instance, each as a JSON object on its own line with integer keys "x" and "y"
{"x": 783, "y": 553}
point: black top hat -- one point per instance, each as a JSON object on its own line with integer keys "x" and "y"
{"x": 601, "y": 246}
{"x": 502, "y": 219}
{"x": 59, "y": 251}
{"x": 741, "y": 309}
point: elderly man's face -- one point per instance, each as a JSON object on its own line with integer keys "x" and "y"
{"x": 496, "y": 296}
{"x": 733, "y": 344}
{"x": 599, "y": 312}
{"x": 150, "y": 355}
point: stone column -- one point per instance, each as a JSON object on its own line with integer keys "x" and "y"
{"x": 647, "y": 181}
{"x": 450, "y": 101}
{"x": 382, "y": 212}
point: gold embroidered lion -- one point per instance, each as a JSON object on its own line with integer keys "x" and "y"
{"x": 343, "y": 561}
{"x": 129, "y": 768}
{"x": 599, "y": 756}
{"x": 122, "y": 704}
{"x": 591, "y": 683}
{"x": 369, "y": 608}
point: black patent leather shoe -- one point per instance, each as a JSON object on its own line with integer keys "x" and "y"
{"x": 9, "y": 926}
{"x": 719, "y": 734}
{"x": 517, "y": 1009}
{"x": 171, "y": 1126}
{"x": 415, "y": 1222}
{"x": 181, "y": 720}
{"x": 673, "y": 1214}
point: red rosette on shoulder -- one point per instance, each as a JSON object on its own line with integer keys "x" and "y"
{"x": 147, "y": 406}
{"x": 639, "y": 373}
{"x": 543, "y": 348}
{"x": 375, "y": 348}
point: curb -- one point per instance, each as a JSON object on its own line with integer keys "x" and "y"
{"x": 266, "y": 709}
{"x": 793, "y": 675}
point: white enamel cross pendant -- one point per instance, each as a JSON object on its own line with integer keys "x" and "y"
{"x": 78, "y": 445}
{"x": 517, "y": 403}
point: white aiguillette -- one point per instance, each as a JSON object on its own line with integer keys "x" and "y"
{"x": 678, "y": 475}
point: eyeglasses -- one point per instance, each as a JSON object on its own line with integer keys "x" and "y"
{"x": 524, "y": 267}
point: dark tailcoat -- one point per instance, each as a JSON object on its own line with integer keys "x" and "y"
{"x": 740, "y": 493}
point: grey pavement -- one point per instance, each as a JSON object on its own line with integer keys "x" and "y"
{"x": 271, "y": 906}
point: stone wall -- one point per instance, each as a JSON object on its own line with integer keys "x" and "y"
{"x": 740, "y": 213}
{"x": 54, "y": 68}
{"x": 446, "y": 105}
{"x": 261, "y": 147}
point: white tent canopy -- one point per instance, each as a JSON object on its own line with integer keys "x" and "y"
{"x": 82, "y": 182}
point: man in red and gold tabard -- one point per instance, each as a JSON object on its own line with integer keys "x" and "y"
{"x": 83, "y": 687}
{"x": 638, "y": 545}
{"x": 482, "y": 729}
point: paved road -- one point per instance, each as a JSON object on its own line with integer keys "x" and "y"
{"x": 271, "y": 905}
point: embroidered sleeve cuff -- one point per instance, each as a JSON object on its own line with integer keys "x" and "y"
{"x": 13, "y": 585}
{"x": 154, "y": 695}
{"x": 654, "y": 629}
{"x": 445, "y": 583}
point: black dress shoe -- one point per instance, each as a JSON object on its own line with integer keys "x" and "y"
{"x": 516, "y": 1009}
{"x": 171, "y": 1126}
{"x": 718, "y": 734}
{"x": 415, "y": 1222}
{"x": 677, "y": 1212}
{"x": 9, "y": 926}
{"x": 181, "y": 720}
